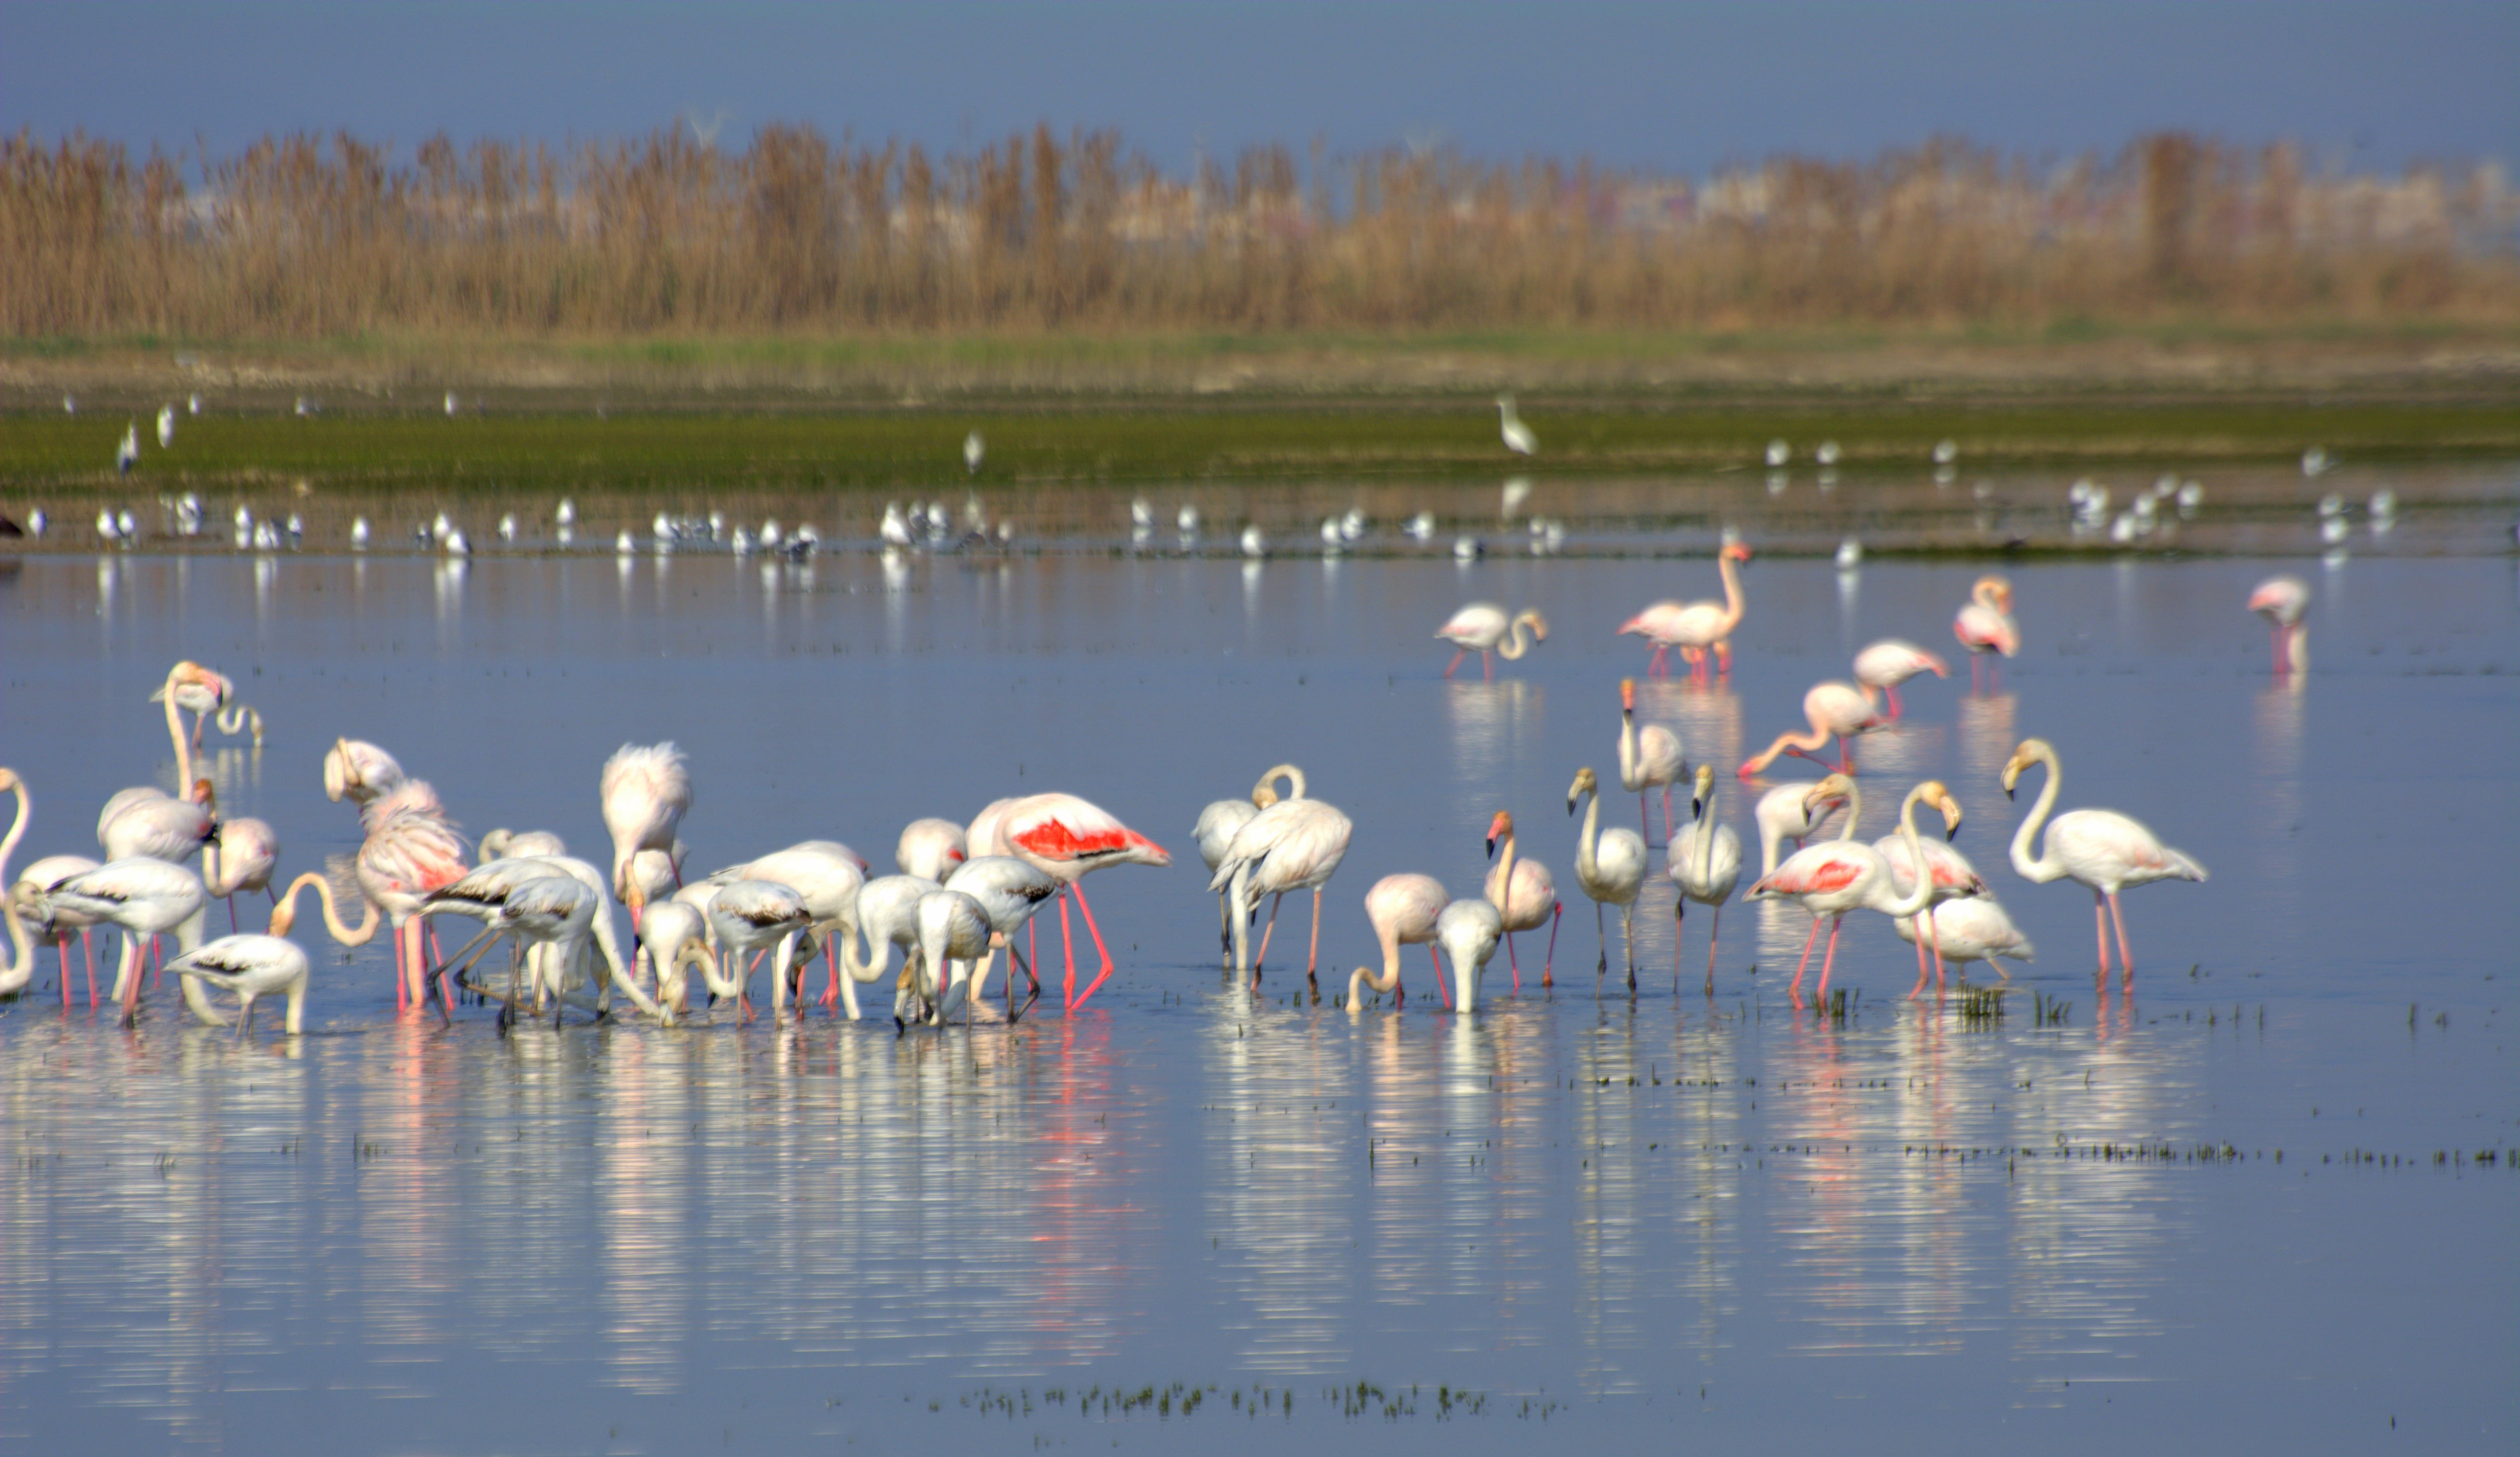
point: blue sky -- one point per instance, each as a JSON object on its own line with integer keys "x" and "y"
{"x": 1673, "y": 86}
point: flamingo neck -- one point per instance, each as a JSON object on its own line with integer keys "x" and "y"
{"x": 1731, "y": 571}
{"x": 1923, "y": 891}
{"x": 1587, "y": 863}
{"x": 1628, "y": 750}
{"x": 1706, "y": 840}
{"x": 1515, "y": 644}
{"x": 1853, "y": 809}
{"x": 183, "y": 746}
{"x": 2047, "y": 867}
{"x": 1504, "y": 872}
{"x": 16, "y": 973}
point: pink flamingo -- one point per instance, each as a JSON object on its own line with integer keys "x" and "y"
{"x": 411, "y": 849}
{"x": 1294, "y": 845}
{"x": 1954, "y": 879}
{"x": 645, "y": 791}
{"x": 2096, "y": 847}
{"x": 1403, "y": 909}
{"x": 1648, "y": 758}
{"x": 2282, "y": 601}
{"x": 1483, "y": 629}
{"x": 1889, "y": 662}
{"x": 1067, "y": 836}
{"x": 1524, "y": 894}
{"x": 1835, "y": 710}
{"x": 247, "y": 851}
{"x": 1985, "y": 626}
{"x": 1695, "y": 627}
{"x": 1829, "y": 880}
{"x": 32, "y": 896}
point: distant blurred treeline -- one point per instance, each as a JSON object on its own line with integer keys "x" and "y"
{"x": 305, "y": 237}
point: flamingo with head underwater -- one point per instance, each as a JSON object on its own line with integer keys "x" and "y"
{"x": 1404, "y": 910}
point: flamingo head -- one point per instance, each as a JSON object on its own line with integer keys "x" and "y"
{"x": 205, "y": 796}
{"x": 1635, "y": 624}
{"x": 1498, "y": 829}
{"x": 1832, "y": 791}
{"x": 1586, "y": 783}
{"x": 201, "y": 681}
{"x": 1538, "y": 623}
{"x": 1933, "y": 791}
{"x": 1995, "y": 591}
{"x": 1736, "y": 551}
{"x": 2029, "y": 751}
{"x": 1627, "y": 688}
{"x": 1705, "y": 789}
{"x": 9, "y": 780}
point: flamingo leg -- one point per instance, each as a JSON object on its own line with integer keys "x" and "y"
{"x": 1642, "y": 828}
{"x": 64, "y": 947}
{"x": 1803, "y": 965}
{"x": 1513, "y": 963}
{"x": 1715, "y": 934}
{"x": 1487, "y": 665}
{"x": 1087, "y": 907}
{"x": 1666, "y": 816}
{"x": 87, "y": 953}
{"x": 1313, "y": 956}
{"x": 1627, "y": 942}
{"x": 1555, "y": 912}
{"x": 1934, "y": 934}
{"x": 1458, "y": 655}
{"x": 1828, "y": 961}
{"x": 1265, "y": 933}
{"x": 1922, "y": 970}
{"x": 1602, "y": 968}
{"x": 2125, "y": 958}
{"x": 1660, "y": 665}
{"x": 1068, "y": 939}
{"x": 232, "y": 914}
{"x": 1724, "y": 657}
{"x": 1439, "y": 976}
{"x": 1224, "y": 923}
{"x": 1679, "y": 924}
{"x": 831, "y": 964}
{"x": 2100, "y": 920}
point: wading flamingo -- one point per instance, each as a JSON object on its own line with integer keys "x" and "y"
{"x": 1221, "y": 821}
{"x": 1972, "y": 930}
{"x": 829, "y": 875}
{"x": 2282, "y": 601}
{"x": 359, "y": 771}
{"x": 886, "y": 915}
{"x": 1834, "y": 710}
{"x": 1954, "y": 879}
{"x": 1524, "y": 894}
{"x": 931, "y": 849}
{"x": 1882, "y": 666}
{"x": 672, "y": 936}
{"x": 32, "y": 896}
{"x": 646, "y": 790}
{"x": 2096, "y": 847}
{"x": 1794, "y": 811}
{"x": 411, "y": 849}
{"x": 252, "y": 967}
{"x": 147, "y": 821}
{"x": 1829, "y": 880}
{"x": 1294, "y": 845}
{"x": 1009, "y": 891}
{"x": 1469, "y": 931}
{"x": 1695, "y": 628}
{"x": 244, "y": 852}
{"x": 1705, "y": 864}
{"x": 1404, "y": 909}
{"x": 755, "y": 915}
{"x": 1067, "y": 837}
{"x": 1985, "y": 626}
{"x": 545, "y": 925}
{"x": 146, "y": 897}
{"x": 1610, "y": 869}
{"x": 1649, "y": 758}
{"x": 1482, "y": 628}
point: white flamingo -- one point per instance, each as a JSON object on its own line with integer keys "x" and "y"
{"x": 1482, "y": 628}
{"x": 1985, "y": 624}
{"x": 244, "y": 855}
{"x": 930, "y": 847}
{"x": 1972, "y": 930}
{"x": 1833, "y": 710}
{"x": 1952, "y": 877}
{"x": 828, "y": 875}
{"x": 2282, "y": 601}
{"x": 1404, "y": 909}
{"x": 146, "y": 897}
{"x": 1221, "y": 821}
{"x": 1469, "y": 932}
{"x": 31, "y": 893}
{"x": 645, "y": 791}
{"x": 1705, "y": 864}
{"x": 1696, "y": 628}
{"x": 1294, "y": 845}
{"x": 359, "y": 771}
{"x": 500, "y": 845}
{"x": 1610, "y": 869}
{"x": 1649, "y": 757}
{"x": 1883, "y": 665}
{"x": 411, "y": 849}
{"x": 1829, "y": 880}
{"x": 1524, "y": 894}
{"x": 1009, "y": 892}
{"x": 758, "y": 915}
{"x": 1794, "y": 811}
{"x": 2102, "y": 848}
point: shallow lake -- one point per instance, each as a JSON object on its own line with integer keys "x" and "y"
{"x": 2266, "y": 1198}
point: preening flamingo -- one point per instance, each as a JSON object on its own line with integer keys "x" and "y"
{"x": 752, "y": 916}
{"x": 1704, "y": 865}
{"x": 2096, "y": 847}
{"x": 31, "y": 894}
{"x": 1482, "y": 628}
{"x": 1294, "y": 845}
{"x": 1649, "y": 757}
{"x": 359, "y": 771}
{"x": 1833, "y": 710}
{"x": 1404, "y": 909}
{"x": 931, "y": 849}
{"x": 1610, "y": 869}
{"x": 1883, "y": 665}
{"x": 1068, "y": 837}
{"x": 1985, "y": 624}
{"x": 1469, "y": 931}
{"x": 2282, "y": 601}
{"x": 646, "y": 790}
{"x": 1794, "y": 811}
{"x": 1696, "y": 628}
{"x": 147, "y": 821}
{"x": 1518, "y": 437}
{"x": 411, "y": 849}
{"x": 1524, "y": 894}
{"x": 1221, "y": 821}
{"x": 252, "y": 967}
{"x": 1972, "y": 930}
{"x": 1829, "y": 880}
{"x": 244, "y": 852}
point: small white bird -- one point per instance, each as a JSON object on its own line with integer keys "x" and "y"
{"x": 566, "y": 514}
{"x": 1255, "y": 542}
{"x": 1421, "y": 526}
{"x": 1517, "y": 491}
{"x": 305, "y": 407}
{"x": 1467, "y": 548}
{"x": 1352, "y": 526}
{"x": 974, "y": 450}
{"x": 457, "y": 546}
{"x": 450, "y": 405}
{"x": 1947, "y": 452}
{"x": 1850, "y": 553}
{"x": 1142, "y": 512}
{"x": 35, "y": 522}
{"x": 1778, "y": 453}
{"x": 1518, "y": 437}
{"x": 105, "y": 527}
{"x": 508, "y": 527}
{"x": 166, "y": 427}
{"x": 438, "y": 529}
{"x": 1827, "y": 453}
{"x": 2384, "y": 503}
{"x": 2314, "y": 462}
{"x": 895, "y": 529}
{"x": 128, "y": 453}
{"x": 359, "y": 534}
{"x": 129, "y": 526}
{"x": 625, "y": 544}
{"x": 1185, "y": 520}
{"x": 740, "y": 542}
{"x": 195, "y": 404}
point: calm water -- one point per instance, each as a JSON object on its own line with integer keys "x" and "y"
{"x": 1609, "y": 1217}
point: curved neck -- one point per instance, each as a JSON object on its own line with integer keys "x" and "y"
{"x": 358, "y": 935}
{"x": 1389, "y": 936}
{"x": 20, "y": 967}
{"x": 1731, "y": 571}
{"x": 2047, "y": 867}
{"x": 1504, "y": 872}
{"x": 1853, "y": 809}
{"x": 1923, "y": 890}
{"x": 1517, "y": 639}
{"x": 1706, "y": 839}
{"x": 1289, "y": 772}
{"x": 183, "y": 746}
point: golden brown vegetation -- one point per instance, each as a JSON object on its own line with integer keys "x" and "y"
{"x": 300, "y": 236}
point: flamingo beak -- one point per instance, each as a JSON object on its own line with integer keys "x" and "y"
{"x": 1490, "y": 846}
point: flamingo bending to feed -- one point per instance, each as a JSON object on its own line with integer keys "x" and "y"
{"x": 1882, "y": 666}
{"x": 646, "y": 790}
{"x": 1294, "y": 845}
{"x": 829, "y": 875}
{"x": 1009, "y": 891}
{"x": 1705, "y": 864}
{"x": 1067, "y": 836}
{"x": 1985, "y": 626}
{"x": 359, "y": 771}
{"x": 1518, "y": 437}
{"x": 1972, "y": 930}
{"x": 672, "y": 936}
{"x": 1524, "y": 894}
{"x": 510, "y": 897}
{"x": 251, "y": 966}
{"x": 1695, "y": 628}
{"x": 1221, "y": 821}
{"x": 1954, "y": 879}
{"x": 1834, "y": 710}
{"x": 1648, "y": 758}
{"x": 952, "y": 926}
{"x": 411, "y": 849}
{"x": 2102, "y": 848}
{"x": 1829, "y": 880}
{"x": 1794, "y": 811}
{"x": 1469, "y": 931}
{"x": 245, "y": 852}
{"x": 1610, "y": 869}
{"x": 886, "y": 915}
{"x": 754, "y": 915}
{"x": 1404, "y": 909}
{"x": 146, "y": 897}
{"x": 1482, "y": 628}
{"x": 502, "y": 844}
{"x": 2282, "y": 601}
{"x": 31, "y": 893}
{"x": 284, "y": 912}
{"x": 931, "y": 849}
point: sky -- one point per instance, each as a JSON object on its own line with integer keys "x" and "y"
{"x": 1672, "y": 87}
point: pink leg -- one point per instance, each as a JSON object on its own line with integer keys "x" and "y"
{"x": 1265, "y": 933}
{"x": 1068, "y": 939}
{"x": 1440, "y": 984}
{"x": 1658, "y": 666}
{"x": 1803, "y": 965}
{"x": 1511, "y": 962}
{"x": 1724, "y": 659}
{"x": 1666, "y": 816}
{"x": 1487, "y": 665}
{"x": 1458, "y": 655}
{"x": 64, "y": 946}
{"x": 1922, "y": 969}
{"x": 1548, "y": 959}
{"x": 830, "y": 961}
{"x": 1087, "y": 907}
{"x": 1892, "y": 693}
{"x": 1828, "y": 959}
{"x": 2125, "y": 958}
{"x": 232, "y": 914}
{"x": 1714, "y": 937}
{"x": 1313, "y": 956}
{"x": 87, "y": 953}
{"x": 2100, "y": 923}
{"x": 1934, "y": 937}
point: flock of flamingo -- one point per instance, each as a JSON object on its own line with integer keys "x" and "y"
{"x": 963, "y": 891}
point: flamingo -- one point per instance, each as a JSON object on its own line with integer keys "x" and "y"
{"x": 1952, "y": 877}
{"x": 829, "y": 875}
{"x": 931, "y": 849}
{"x": 1404, "y": 910}
{"x": 671, "y": 933}
{"x": 645, "y": 791}
{"x": 1695, "y": 627}
{"x": 1518, "y": 437}
{"x": 253, "y": 967}
{"x": 1794, "y": 811}
{"x": 1610, "y": 869}
{"x": 1469, "y": 931}
{"x": 19, "y": 968}
{"x": 2282, "y": 601}
{"x": 1221, "y": 821}
{"x": 1483, "y": 627}
{"x": 1985, "y": 623}
{"x": 31, "y": 894}
{"x": 1829, "y": 880}
{"x": 1834, "y": 710}
{"x": 2096, "y": 847}
{"x": 1009, "y": 891}
{"x": 247, "y": 849}
{"x": 1067, "y": 836}
{"x": 1972, "y": 930}
{"x": 1294, "y": 845}
{"x": 886, "y": 915}
{"x": 1648, "y": 758}
{"x": 147, "y": 821}
{"x": 145, "y": 897}
{"x": 537, "y": 907}
{"x": 411, "y": 849}
{"x": 284, "y": 912}
{"x": 754, "y": 915}
{"x": 952, "y": 926}
{"x": 501, "y": 845}
{"x": 1704, "y": 865}
{"x": 1883, "y": 665}
{"x": 359, "y": 771}
{"x": 1524, "y": 894}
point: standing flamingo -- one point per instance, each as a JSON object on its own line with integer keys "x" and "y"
{"x": 1468, "y": 931}
{"x": 31, "y": 894}
{"x": 1067, "y": 836}
{"x": 1829, "y": 880}
{"x": 1518, "y": 437}
{"x": 931, "y": 849}
{"x": 645, "y": 791}
{"x": 1524, "y": 894}
{"x": 1952, "y": 878}
{"x": 1610, "y": 869}
{"x": 1294, "y": 845}
{"x": 1972, "y": 930}
{"x": 1985, "y": 624}
{"x": 2282, "y": 601}
{"x": 1696, "y": 628}
{"x": 752, "y": 916}
{"x": 1704, "y": 865}
{"x": 252, "y": 967}
{"x": 828, "y": 875}
{"x": 1009, "y": 891}
{"x": 672, "y": 933}
{"x": 2096, "y": 847}
{"x": 411, "y": 849}
{"x": 1834, "y": 710}
{"x": 147, "y": 821}
{"x": 19, "y": 968}
{"x": 545, "y": 925}
{"x": 243, "y": 853}
{"x": 1649, "y": 757}
{"x": 886, "y": 915}
{"x": 1794, "y": 811}
{"x": 1482, "y": 628}
{"x": 952, "y": 926}
{"x": 1884, "y": 665}
{"x": 1221, "y": 821}
{"x": 146, "y": 897}
{"x": 1404, "y": 909}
